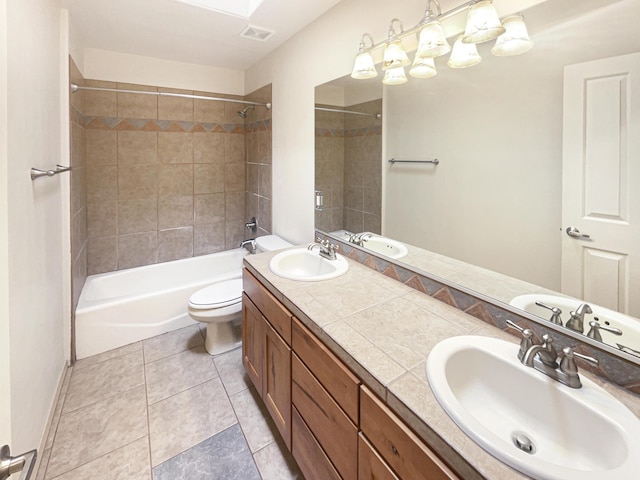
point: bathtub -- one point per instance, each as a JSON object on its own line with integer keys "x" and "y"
{"x": 119, "y": 308}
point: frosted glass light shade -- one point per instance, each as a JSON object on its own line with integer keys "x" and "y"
{"x": 432, "y": 41}
{"x": 395, "y": 76}
{"x": 423, "y": 67}
{"x": 483, "y": 23}
{"x": 464, "y": 55}
{"x": 394, "y": 56}
{"x": 363, "y": 67}
{"x": 515, "y": 40}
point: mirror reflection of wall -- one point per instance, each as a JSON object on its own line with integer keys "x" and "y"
{"x": 347, "y": 169}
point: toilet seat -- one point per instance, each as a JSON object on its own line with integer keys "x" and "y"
{"x": 218, "y": 295}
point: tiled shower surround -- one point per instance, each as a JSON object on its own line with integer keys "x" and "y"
{"x": 348, "y": 155}
{"x": 166, "y": 178}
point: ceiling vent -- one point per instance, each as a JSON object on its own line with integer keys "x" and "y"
{"x": 256, "y": 33}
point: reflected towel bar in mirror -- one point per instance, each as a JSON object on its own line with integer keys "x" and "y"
{"x": 435, "y": 161}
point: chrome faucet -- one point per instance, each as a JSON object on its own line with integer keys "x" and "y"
{"x": 359, "y": 238}
{"x": 576, "y": 322}
{"x": 251, "y": 244}
{"x": 327, "y": 249}
{"x": 555, "y": 313}
{"x": 544, "y": 358}
{"x": 594, "y": 331}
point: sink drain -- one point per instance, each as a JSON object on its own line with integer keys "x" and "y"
{"x": 523, "y": 442}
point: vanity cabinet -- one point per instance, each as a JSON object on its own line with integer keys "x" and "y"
{"x": 266, "y": 351}
{"x": 335, "y": 427}
{"x": 401, "y": 451}
{"x": 322, "y": 391}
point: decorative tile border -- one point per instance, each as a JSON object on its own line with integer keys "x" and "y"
{"x": 146, "y": 125}
{"x": 611, "y": 367}
{"x": 354, "y": 132}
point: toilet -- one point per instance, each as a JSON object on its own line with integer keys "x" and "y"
{"x": 220, "y": 305}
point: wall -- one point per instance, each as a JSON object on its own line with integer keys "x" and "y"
{"x": 5, "y": 343}
{"x": 329, "y": 169}
{"x": 362, "y": 173}
{"x": 122, "y": 67}
{"x": 78, "y": 200}
{"x": 34, "y": 216}
{"x": 259, "y": 163}
{"x": 348, "y": 152}
{"x": 165, "y": 176}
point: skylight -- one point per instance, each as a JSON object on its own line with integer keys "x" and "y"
{"x": 235, "y": 8}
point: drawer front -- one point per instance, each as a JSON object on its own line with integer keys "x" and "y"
{"x": 278, "y": 316}
{"x": 336, "y": 378}
{"x": 332, "y": 428}
{"x": 308, "y": 454}
{"x": 371, "y": 466}
{"x": 405, "y": 453}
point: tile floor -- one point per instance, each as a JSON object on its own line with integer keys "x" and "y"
{"x": 163, "y": 409}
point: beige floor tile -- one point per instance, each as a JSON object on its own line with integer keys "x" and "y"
{"x": 276, "y": 463}
{"x": 254, "y": 419}
{"x": 102, "y": 357}
{"x": 173, "y": 342}
{"x": 178, "y": 373}
{"x": 231, "y": 371}
{"x": 93, "y": 431}
{"x": 126, "y": 463}
{"x": 186, "y": 419}
{"x": 103, "y": 380}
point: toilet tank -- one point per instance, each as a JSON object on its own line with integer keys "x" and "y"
{"x": 269, "y": 243}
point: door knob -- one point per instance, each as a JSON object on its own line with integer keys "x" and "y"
{"x": 575, "y": 233}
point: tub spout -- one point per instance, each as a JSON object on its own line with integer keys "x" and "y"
{"x": 250, "y": 245}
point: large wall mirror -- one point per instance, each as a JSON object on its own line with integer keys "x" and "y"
{"x": 489, "y": 216}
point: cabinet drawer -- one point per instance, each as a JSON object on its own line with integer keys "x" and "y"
{"x": 371, "y": 466}
{"x": 333, "y": 429}
{"x": 271, "y": 308}
{"x": 336, "y": 378}
{"x": 405, "y": 453}
{"x": 305, "y": 449}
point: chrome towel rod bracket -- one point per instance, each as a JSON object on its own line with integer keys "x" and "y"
{"x": 435, "y": 161}
{"x": 37, "y": 173}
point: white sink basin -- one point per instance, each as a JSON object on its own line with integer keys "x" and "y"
{"x": 307, "y": 266}
{"x": 629, "y": 341}
{"x": 584, "y": 433}
{"x": 385, "y": 246}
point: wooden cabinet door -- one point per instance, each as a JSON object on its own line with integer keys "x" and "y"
{"x": 409, "y": 457}
{"x": 276, "y": 386}
{"x": 371, "y": 466}
{"x": 253, "y": 334}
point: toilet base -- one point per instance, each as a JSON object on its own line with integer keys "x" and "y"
{"x": 222, "y": 337}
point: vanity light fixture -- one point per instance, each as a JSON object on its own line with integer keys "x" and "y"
{"x": 515, "y": 40}
{"x": 394, "y": 54}
{"x": 483, "y": 25}
{"x": 464, "y": 55}
{"x": 364, "y": 67}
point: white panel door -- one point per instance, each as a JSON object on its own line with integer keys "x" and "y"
{"x": 601, "y": 183}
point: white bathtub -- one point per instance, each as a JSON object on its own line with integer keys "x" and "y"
{"x": 119, "y": 308}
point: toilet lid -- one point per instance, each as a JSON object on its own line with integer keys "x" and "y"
{"x": 217, "y": 295}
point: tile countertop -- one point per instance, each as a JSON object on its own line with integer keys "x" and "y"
{"x": 384, "y": 331}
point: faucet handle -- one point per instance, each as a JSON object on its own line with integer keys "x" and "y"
{"x": 594, "y": 331}
{"x": 570, "y": 369}
{"x": 527, "y": 339}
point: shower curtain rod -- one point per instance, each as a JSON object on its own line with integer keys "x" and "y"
{"x": 75, "y": 88}
{"x": 377, "y": 115}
